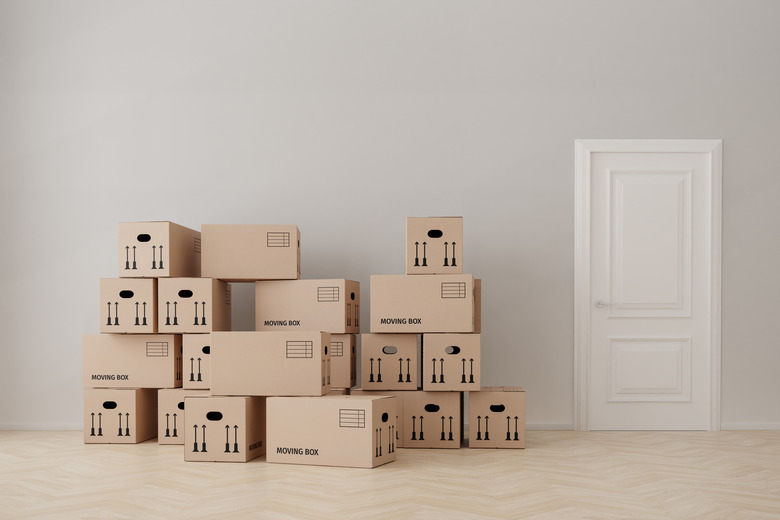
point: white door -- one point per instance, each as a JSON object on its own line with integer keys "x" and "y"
{"x": 651, "y": 319}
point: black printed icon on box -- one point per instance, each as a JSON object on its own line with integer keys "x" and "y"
{"x": 278, "y": 239}
{"x": 453, "y": 289}
{"x": 352, "y": 418}
{"x": 327, "y": 294}
{"x": 300, "y": 349}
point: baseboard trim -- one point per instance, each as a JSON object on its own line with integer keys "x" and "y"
{"x": 41, "y": 426}
{"x": 739, "y": 426}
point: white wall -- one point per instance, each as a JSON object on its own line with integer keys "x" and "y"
{"x": 346, "y": 117}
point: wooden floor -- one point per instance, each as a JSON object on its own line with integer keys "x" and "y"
{"x": 724, "y": 475}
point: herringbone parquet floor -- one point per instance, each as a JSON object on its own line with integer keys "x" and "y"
{"x": 561, "y": 475}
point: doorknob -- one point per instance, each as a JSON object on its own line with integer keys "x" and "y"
{"x": 599, "y": 304}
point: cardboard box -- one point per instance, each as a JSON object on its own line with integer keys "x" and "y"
{"x": 478, "y": 305}
{"x": 131, "y": 361}
{"x": 119, "y": 416}
{"x": 328, "y": 305}
{"x": 193, "y": 305}
{"x": 434, "y": 245}
{"x": 270, "y": 363}
{"x": 433, "y": 419}
{"x": 128, "y": 305}
{"x": 343, "y": 360}
{"x": 352, "y": 431}
{"x": 399, "y": 409}
{"x": 424, "y": 303}
{"x": 196, "y": 361}
{"x": 338, "y": 391}
{"x": 451, "y": 362}
{"x": 389, "y": 362}
{"x": 497, "y": 417}
{"x": 170, "y": 413}
{"x": 224, "y": 429}
{"x": 245, "y": 253}
{"x": 158, "y": 250}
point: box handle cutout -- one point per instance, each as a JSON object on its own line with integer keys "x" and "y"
{"x": 206, "y": 349}
{"x": 452, "y": 350}
{"x": 433, "y": 408}
{"x": 497, "y": 408}
{"x": 181, "y": 405}
{"x": 126, "y": 294}
{"x": 352, "y": 296}
{"x": 435, "y": 233}
{"x": 214, "y": 416}
{"x": 389, "y": 349}
{"x": 109, "y": 405}
{"x": 185, "y": 293}
{"x": 385, "y": 417}
{"x": 326, "y": 350}
{"x": 143, "y": 237}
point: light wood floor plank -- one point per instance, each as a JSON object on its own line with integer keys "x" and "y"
{"x": 598, "y": 475}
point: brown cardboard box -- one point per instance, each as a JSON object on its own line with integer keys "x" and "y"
{"x": 352, "y": 431}
{"x": 399, "y": 409}
{"x": 131, "y": 361}
{"x": 434, "y": 245}
{"x": 497, "y": 417}
{"x": 424, "y": 303}
{"x": 329, "y": 305}
{"x": 128, "y": 305}
{"x": 270, "y": 363}
{"x": 158, "y": 250}
{"x": 196, "y": 361}
{"x": 170, "y": 413}
{"x": 433, "y": 419}
{"x": 245, "y": 253}
{"x": 224, "y": 429}
{"x": 338, "y": 391}
{"x": 451, "y": 362}
{"x": 478, "y": 305}
{"x": 343, "y": 358}
{"x": 119, "y": 415}
{"x": 193, "y": 305}
{"x": 389, "y": 362}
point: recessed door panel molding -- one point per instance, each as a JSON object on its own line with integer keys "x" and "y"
{"x": 650, "y": 369}
{"x": 647, "y": 296}
{"x": 650, "y": 258}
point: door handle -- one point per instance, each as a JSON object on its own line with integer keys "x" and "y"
{"x": 599, "y": 304}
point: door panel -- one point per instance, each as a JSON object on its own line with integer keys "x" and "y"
{"x": 650, "y": 269}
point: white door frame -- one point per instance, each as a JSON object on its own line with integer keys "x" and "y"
{"x": 583, "y": 148}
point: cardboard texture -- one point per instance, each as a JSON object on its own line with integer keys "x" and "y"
{"x": 433, "y": 419}
{"x": 343, "y": 360}
{"x": 196, "y": 361}
{"x": 352, "y": 431}
{"x": 170, "y": 413}
{"x": 158, "y": 250}
{"x": 497, "y": 417}
{"x": 245, "y": 253}
{"x": 434, "y": 245}
{"x": 478, "y": 305}
{"x": 128, "y": 305}
{"x": 270, "y": 363}
{"x": 119, "y": 416}
{"x": 131, "y": 361}
{"x": 389, "y": 362}
{"x": 193, "y": 305}
{"x": 328, "y": 305}
{"x": 224, "y": 429}
{"x": 451, "y": 362}
{"x": 422, "y": 303}
{"x": 399, "y": 409}
{"x": 338, "y": 391}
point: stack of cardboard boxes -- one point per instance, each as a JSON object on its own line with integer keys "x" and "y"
{"x": 441, "y": 304}
{"x": 236, "y": 385}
